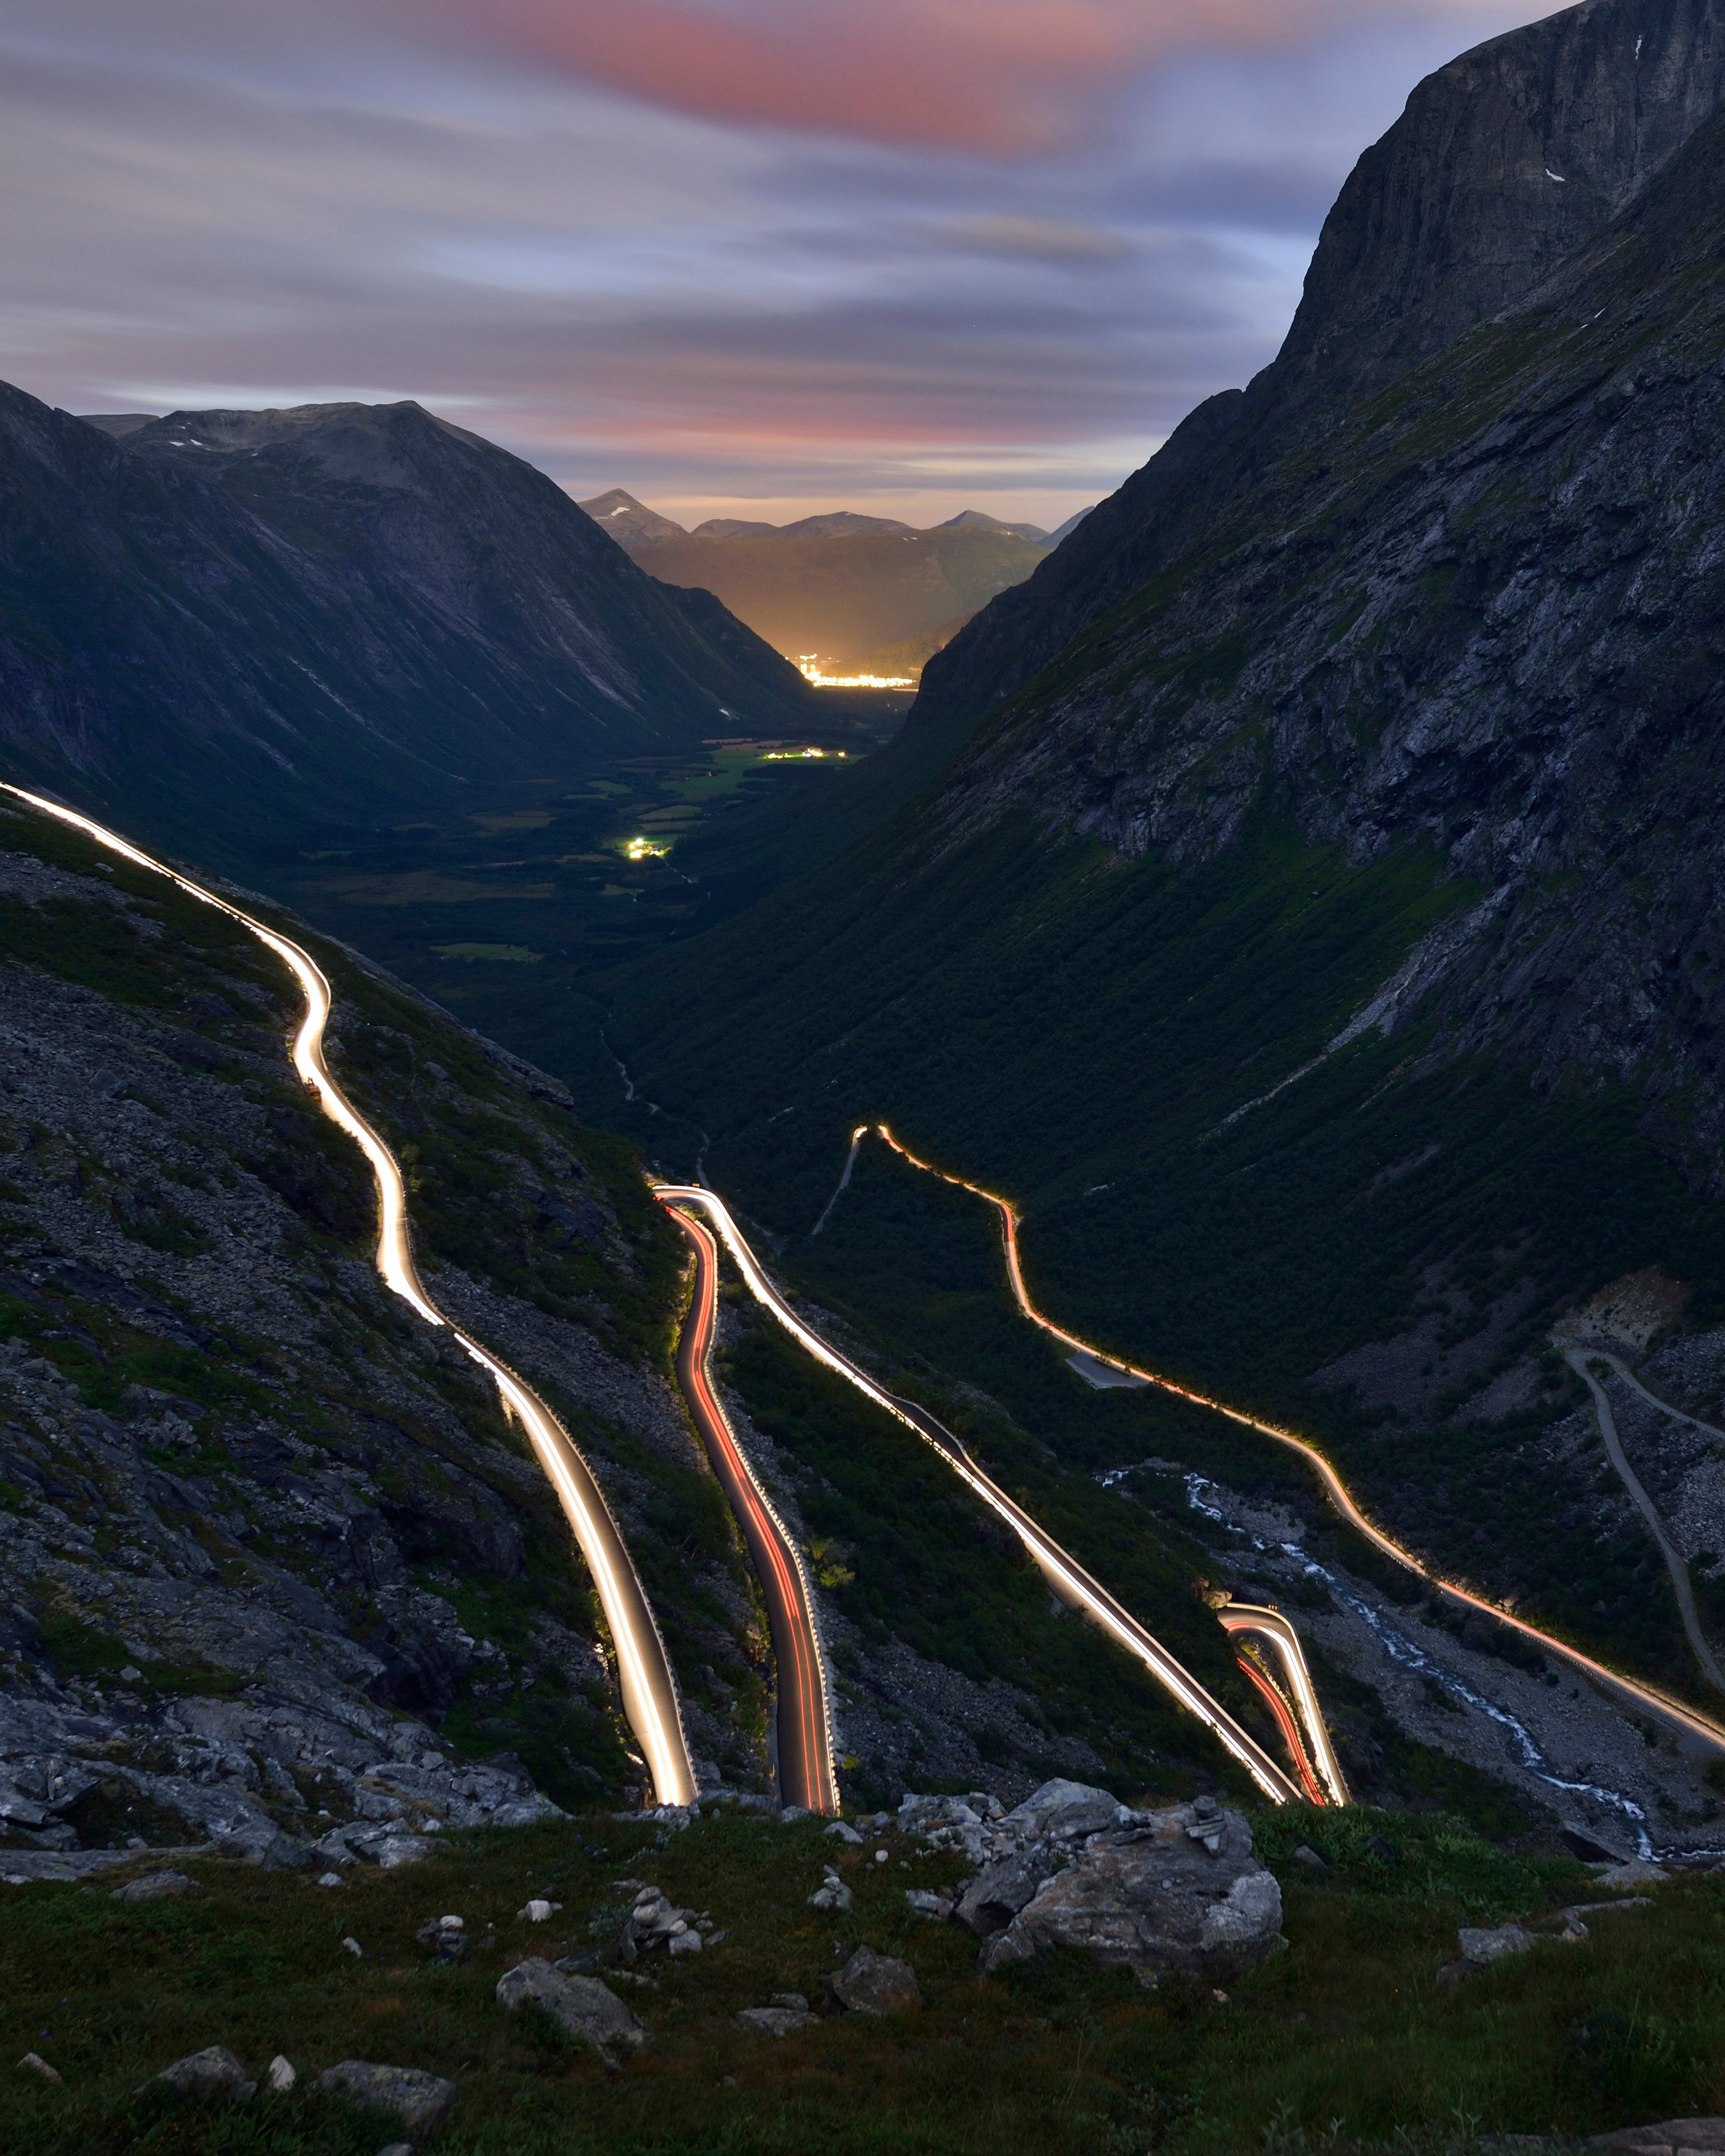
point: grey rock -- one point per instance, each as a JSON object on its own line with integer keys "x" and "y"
{"x": 841, "y": 1832}
{"x": 398, "y": 1850}
{"x": 1482, "y": 1946}
{"x": 581, "y": 2005}
{"x": 832, "y": 1893}
{"x": 1308, "y": 1859}
{"x": 155, "y": 1887}
{"x": 875, "y": 1983}
{"x": 1000, "y": 1890}
{"x": 775, "y": 2020}
{"x": 1154, "y": 1896}
{"x": 421, "y": 2101}
{"x": 280, "y": 2075}
{"x": 446, "y": 1936}
{"x": 37, "y": 2064}
{"x": 212, "y": 2071}
{"x": 1063, "y": 1809}
{"x": 656, "y": 1923}
{"x": 1671, "y": 2137}
{"x": 927, "y": 1904}
{"x": 1637, "y": 1872}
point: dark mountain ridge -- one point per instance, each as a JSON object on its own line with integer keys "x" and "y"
{"x": 1503, "y": 163}
{"x": 1486, "y": 616}
{"x": 231, "y": 620}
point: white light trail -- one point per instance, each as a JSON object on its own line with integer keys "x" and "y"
{"x": 1239, "y": 1617}
{"x": 649, "y": 1701}
{"x": 1069, "y": 1579}
{"x": 1693, "y": 1723}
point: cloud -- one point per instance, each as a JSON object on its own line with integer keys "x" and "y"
{"x": 1028, "y": 238}
{"x": 284, "y": 201}
{"x": 999, "y": 77}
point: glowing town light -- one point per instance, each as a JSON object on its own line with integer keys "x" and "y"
{"x": 643, "y": 850}
{"x": 810, "y": 667}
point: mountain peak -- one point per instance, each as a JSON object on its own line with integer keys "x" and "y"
{"x": 629, "y": 521}
{"x": 976, "y": 519}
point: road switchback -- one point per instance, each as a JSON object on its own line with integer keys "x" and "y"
{"x": 806, "y": 1771}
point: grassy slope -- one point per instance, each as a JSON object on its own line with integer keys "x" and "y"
{"x": 1343, "y": 2035}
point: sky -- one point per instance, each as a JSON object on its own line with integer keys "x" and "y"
{"x": 740, "y": 257}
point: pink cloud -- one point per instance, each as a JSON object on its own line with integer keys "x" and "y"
{"x": 1001, "y": 77}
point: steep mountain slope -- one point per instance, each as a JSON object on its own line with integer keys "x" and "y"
{"x": 252, "y": 1509}
{"x": 1503, "y": 163}
{"x": 230, "y": 621}
{"x": 843, "y": 585}
{"x": 1322, "y": 948}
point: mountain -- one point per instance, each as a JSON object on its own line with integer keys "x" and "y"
{"x": 1503, "y": 163}
{"x": 1318, "y": 942}
{"x": 911, "y": 654}
{"x": 843, "y": 585}
{"x": 234, "y": 623}
{"x": 628, "y": 521}
{"x": 730, "y": 527}
{"x": 1071, "y": 524}
{"x": 841, "y": 524}
{"x": 974, "y": 519}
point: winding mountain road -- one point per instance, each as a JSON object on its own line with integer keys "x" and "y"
{"x": 806, "y": 1770}
{"x": 1578, "y": 1358}
{"x": 650, "y": 1696}
{"x": 1697, "y": 1730}
{"x": 1065, "y": 1577}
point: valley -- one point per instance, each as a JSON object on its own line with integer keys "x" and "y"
{"x": 980, "y": 1414}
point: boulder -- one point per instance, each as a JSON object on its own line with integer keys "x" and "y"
{"x": 775, "y": 2020}
{"x": 155, "y": 1887}
{"x": 1481, "y": 1947}
{"x": 397, "y": 1850}
{"x": 280, "y": 2076}
{"x": 1672, "y": 2137}
{"x": 212, "y": 2071}
{"x": 422, "y": 2101}
{"x": 1637, "y": 1871}
{"x": 581, "y": 2005}
{"x": 875, "y": 1983}
{"x": 1064, "y": 1810}
{"x": 1000, "y": 1890}
{"x": 1178, "y": 1889}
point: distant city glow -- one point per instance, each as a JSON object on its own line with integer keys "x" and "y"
{"x": 809, "y": 666}
{"x": 643, "y": 850}
{"x": 802, "y": 754}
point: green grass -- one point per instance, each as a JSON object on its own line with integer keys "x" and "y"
{"x": 1060, "y": 2058}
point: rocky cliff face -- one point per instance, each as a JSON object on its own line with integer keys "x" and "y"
{"x": 1483, "y": 616}
{"x": 228, "y": 623}
{"x": 1503, "y": 164}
